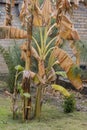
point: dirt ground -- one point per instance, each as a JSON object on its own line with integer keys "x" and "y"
{"x": 55, "y": 98}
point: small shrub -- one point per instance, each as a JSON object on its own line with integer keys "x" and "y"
{"x": 69, "y": 104}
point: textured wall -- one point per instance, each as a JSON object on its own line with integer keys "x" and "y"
{"x": 79, "y": 19}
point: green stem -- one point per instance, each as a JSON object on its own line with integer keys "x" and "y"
{"x": 38, "y": 102}
{"x": 26, "y": 80}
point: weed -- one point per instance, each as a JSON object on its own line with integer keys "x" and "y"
{"x": 69, "y": 104}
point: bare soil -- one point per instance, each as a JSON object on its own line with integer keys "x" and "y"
{"x": 55, "y": 98}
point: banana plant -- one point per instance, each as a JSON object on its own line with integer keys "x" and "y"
{"x": 43, "y": 52}
{"x": 57, "y": 56}
{"x": 47, "y": 74}
{"x": 33, "y": 15}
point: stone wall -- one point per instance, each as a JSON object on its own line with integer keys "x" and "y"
{"x": 79, "y": 19}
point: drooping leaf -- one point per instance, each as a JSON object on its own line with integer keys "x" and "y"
{"x": 75, "y": 70}
{"x": 27, "y": 95}
{"x": 64, "y": 59}
{"x": 75, "y": 51}
{"x": 8, "y": 18}
{"x": 61, "y": 73}
{"x": 37, "y": 79}
{"x": 65, "y": 27}
{"x": 19, "y": 68}
{"x": 12, "y": 33}
{"x": 13, "y": 3}
{"x": 60, "y": 89}
{"x": 75, "y": 80}
{"x": 51, "y": 76}
{"x": 46, "y": 11}
{"x": 19, "y": 87}
{"x": 66, "y": 63}
{"x": 51, "y": 61}
{"x": 38, "y": 19}
{"x": 31, "y": 7}
{"x": 33, "y": 51}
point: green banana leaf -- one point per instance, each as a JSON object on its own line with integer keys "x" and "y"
{"x": 61, "y": 89}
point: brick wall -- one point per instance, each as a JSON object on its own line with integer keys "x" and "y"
{"x": 79, "y": 19}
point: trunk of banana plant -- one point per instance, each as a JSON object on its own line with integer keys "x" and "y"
{"x": 26, "y": 75}
{"x": 26, "y": 100}
{"x": 38, "y": 104}
{"x": 14, "y": 103}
